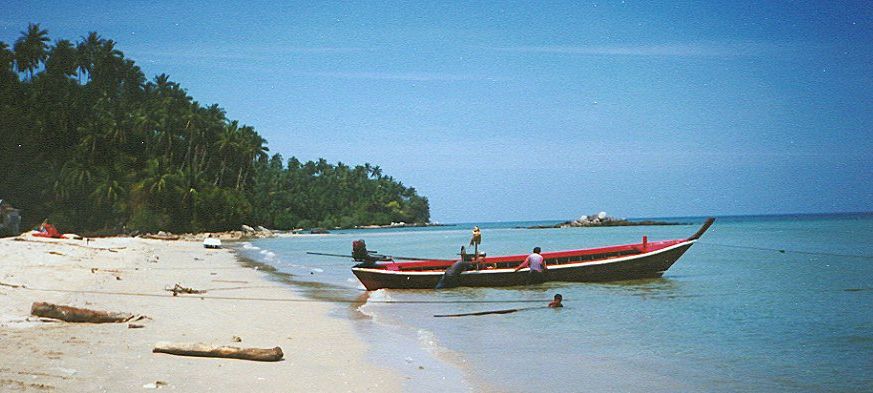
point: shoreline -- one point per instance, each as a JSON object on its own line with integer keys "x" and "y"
{"x": 322, "y": 353}
{"x": 424, "y": 366}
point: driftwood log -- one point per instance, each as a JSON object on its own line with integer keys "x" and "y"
{"x": 73, "y": 314}
{"x": 177, "y": 289}
{"x": 160, "y": 237}
{"x": 212, "y": 351}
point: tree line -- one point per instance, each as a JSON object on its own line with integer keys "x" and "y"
{"x": 87, "y": 141}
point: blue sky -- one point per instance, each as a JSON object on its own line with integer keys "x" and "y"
{"x": 532, "y": 110}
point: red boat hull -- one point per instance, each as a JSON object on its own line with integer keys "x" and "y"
{"x": 614, "y": 263}
{"x": 643, "y": 265}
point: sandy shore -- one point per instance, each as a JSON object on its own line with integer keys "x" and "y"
{"x": 322, "y": 353}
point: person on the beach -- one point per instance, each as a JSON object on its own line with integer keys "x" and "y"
{"x": 537, "y": 265}
{"x": 557, "y": 302}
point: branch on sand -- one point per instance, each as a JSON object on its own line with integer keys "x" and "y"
{"x": 74, "y": 314}
{"x": 177, "y": 289}
{"x": 212, "y": 351}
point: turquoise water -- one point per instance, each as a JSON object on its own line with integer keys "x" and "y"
{"x": 723, "y": 319}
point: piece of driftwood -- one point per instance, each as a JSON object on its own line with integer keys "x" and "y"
{"x": 212, "y": 351}
{"x": 177, "y": 289}
{"x": 74, "y": 314}
{"x": 160, "y": 237}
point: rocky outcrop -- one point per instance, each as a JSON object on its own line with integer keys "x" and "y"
{"x": 602, "y": 220}
{"x": 247, "y": 232}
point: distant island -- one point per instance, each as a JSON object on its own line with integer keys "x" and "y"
{"x": 602, "y": 220}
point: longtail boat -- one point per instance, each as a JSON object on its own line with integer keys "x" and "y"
{"x": 614, "y": 263}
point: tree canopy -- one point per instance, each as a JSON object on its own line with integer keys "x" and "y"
{"x": 87, "y": 141}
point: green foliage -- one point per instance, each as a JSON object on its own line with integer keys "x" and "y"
{"x": 87, "y": 141}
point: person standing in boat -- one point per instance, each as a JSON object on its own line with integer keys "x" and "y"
{"x": 537, "y": 265}
{"x": 475, "y": 241}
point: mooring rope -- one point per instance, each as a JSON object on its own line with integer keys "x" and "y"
{"x": 783, "y": 251}
{"x": 266, "y": 299}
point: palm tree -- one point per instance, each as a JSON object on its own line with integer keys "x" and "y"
{"x": 88, "y": 49}
{"x": 227, "y": 143}
{"x": 7, "y": 57}
{"x": 107, "y": 66}
{"x": 253, "y": 150}
{"x": 62, "y": 58}
{"x": 376, "y": 171}
{"x": 31, "y": 49}
{"x": 108, "y": 191}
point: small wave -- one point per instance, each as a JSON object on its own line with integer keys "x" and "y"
{"x": 380, "y": 295}
{"x": 317, "y": 270}
{"x": 268, "y": 255}
{"x": 249, "y": 246}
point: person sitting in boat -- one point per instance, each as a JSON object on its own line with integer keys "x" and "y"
{"x": 537, "y": 265}
{"x": 481, "y": 264}
{"x": 557, "y": 302}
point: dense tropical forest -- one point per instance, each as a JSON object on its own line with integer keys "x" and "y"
{"x": 87, "y": 141}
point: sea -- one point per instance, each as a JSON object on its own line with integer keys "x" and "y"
{"x": 778, "y": 303}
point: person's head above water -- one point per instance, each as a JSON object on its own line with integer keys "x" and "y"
{"x": 557, "y": 302}
{"x": 536, "y": 250}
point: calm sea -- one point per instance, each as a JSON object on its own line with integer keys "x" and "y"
{"x": 734, "y": 314}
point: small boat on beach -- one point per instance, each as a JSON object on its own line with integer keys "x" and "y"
{"x": 212, "y": 242}
{"x": 613, "y": 263}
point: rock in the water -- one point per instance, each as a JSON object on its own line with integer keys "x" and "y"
{"x": 601, "y": 220}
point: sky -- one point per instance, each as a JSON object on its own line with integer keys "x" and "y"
{"x": 503, "y": 111}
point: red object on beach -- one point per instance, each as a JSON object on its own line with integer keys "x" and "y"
{"x": 50, "y": 231}
{"x": 613, "y": 263}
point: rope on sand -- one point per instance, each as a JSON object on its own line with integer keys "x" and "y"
{"x": 292, "y": 300}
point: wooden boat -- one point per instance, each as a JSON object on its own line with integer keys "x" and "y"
{"x": 630, "y": 261}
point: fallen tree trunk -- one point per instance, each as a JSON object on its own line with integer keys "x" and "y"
{"x": 73, "y": 314}
{"x": 212, "y": 351}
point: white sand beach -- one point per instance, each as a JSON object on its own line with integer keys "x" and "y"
{"x": 322, "y": 353}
